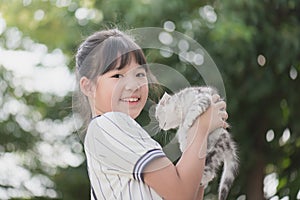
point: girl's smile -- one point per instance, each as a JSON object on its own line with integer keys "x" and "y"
{"x": 131, "y": 100}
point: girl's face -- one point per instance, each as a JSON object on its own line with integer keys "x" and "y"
{"x": 124, "y": 90}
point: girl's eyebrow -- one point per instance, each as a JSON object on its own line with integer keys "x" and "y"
{"x": 141, "y": 67}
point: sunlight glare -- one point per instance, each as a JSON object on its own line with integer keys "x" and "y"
{"x": 183, "y": 45}
{"x": 187, "y": 25}
{"x": 285, "y": 136}
{"x": 81, "y": 13}
{"x": 39, "y": 15}
{"x": 63, "y": 3}
{"x": 208, "y": 13}
{"x": 165, "y": 38}
{"x": 169, "y": 26}
{"x": 270, "y": 184}
{"x": 13, "y": 38}
{"x": 274, "y": 198}
{"x": 10, "y": 172}
{"x": 198, "y": 59}
{"x": 38, "y": 184}
{"x": 270, "y": 135}
{"x": 2, "y": 24}
{"x": 26, "y": 2}
{"x": 242, "y": 197}
{"x": 54, "y": 77}
{"x": 21, "y": 183}
{"x": 166, "y": 52}
{"x": 261, "y": 60}
{"x": 293, "y": 73}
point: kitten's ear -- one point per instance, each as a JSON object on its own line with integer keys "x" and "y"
{"x": 164, "y": 98}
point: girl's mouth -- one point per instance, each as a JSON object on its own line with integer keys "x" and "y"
{"x": 130, "y": 99}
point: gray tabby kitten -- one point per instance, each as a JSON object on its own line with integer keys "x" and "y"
{"x": 181, "y": 110}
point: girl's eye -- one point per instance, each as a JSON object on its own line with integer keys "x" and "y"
{"x": 141, "y": 74}
{"x": 117, "y": 76}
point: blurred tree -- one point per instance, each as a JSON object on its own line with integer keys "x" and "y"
{"x": 255, "y": 45}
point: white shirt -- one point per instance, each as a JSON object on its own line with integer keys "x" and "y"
{"x": 117, "y": 150}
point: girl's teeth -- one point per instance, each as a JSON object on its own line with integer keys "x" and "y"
{"x": 131, "y": 99}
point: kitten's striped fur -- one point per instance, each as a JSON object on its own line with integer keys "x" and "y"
{"x": 180, "y": 110}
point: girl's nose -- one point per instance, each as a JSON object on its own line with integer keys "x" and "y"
{"x": 132, "y": 84}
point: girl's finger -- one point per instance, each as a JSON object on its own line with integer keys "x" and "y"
{"x": 221, "y": 105}
{"x": 223, "y": 115}
{"x": 225, "y": 125}
{"x": 215, "y": 98}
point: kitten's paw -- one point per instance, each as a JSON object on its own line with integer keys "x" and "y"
{"x": 192, "y": 115}
{"x": 188, "y": 122}
{"x": 204, "y": 101}
{"x": 182, "y": 147}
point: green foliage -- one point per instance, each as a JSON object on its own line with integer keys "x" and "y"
{"x": 77, "y": 183}
{"x": 255, "y": 44}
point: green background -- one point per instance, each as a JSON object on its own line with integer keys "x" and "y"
{"x": 255, "y": 44}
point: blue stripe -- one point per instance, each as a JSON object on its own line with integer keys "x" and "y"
{"x": 144, "y": 160}
{"x": 129, "y": 182}
{"x": 93, "y": 193}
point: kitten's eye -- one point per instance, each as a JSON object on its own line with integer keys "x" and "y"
{"x": 117, "y": 76}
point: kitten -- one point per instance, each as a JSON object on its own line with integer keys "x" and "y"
{"x": 181, "y": 110}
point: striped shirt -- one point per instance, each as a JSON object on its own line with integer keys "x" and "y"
{"x": 117, "y": 150}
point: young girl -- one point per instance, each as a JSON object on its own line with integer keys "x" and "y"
{"x": 124, "y": 162}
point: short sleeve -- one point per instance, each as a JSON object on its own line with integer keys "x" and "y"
{"x": 120, "y": 145}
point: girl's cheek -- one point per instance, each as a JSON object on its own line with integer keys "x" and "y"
{"x": 146, "y": 90}
{"x": 143, "y": 83}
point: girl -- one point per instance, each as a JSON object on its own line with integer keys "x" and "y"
{"x": 124, "y": 162}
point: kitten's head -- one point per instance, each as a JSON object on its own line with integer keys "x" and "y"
{"x": 165, "y": 113}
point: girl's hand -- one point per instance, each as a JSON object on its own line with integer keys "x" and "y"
{"x": 215, "y": 117}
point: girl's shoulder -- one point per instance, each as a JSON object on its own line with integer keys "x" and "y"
{"x": 113, "y": 115}
{"x": 115, "y": 118}
{"x": 119, "y": 129}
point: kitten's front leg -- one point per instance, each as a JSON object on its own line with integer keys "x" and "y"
{"x": 200, "y": 105}
{"x": 182, "y": 138}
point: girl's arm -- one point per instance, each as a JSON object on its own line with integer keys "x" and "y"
{"x": 200, "y": 193}
{"x": 182, "y": 181}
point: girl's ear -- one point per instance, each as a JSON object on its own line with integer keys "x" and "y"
{"x": 86, "y": 86}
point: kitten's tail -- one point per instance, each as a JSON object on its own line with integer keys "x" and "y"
{"x": 230, "y": 171}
